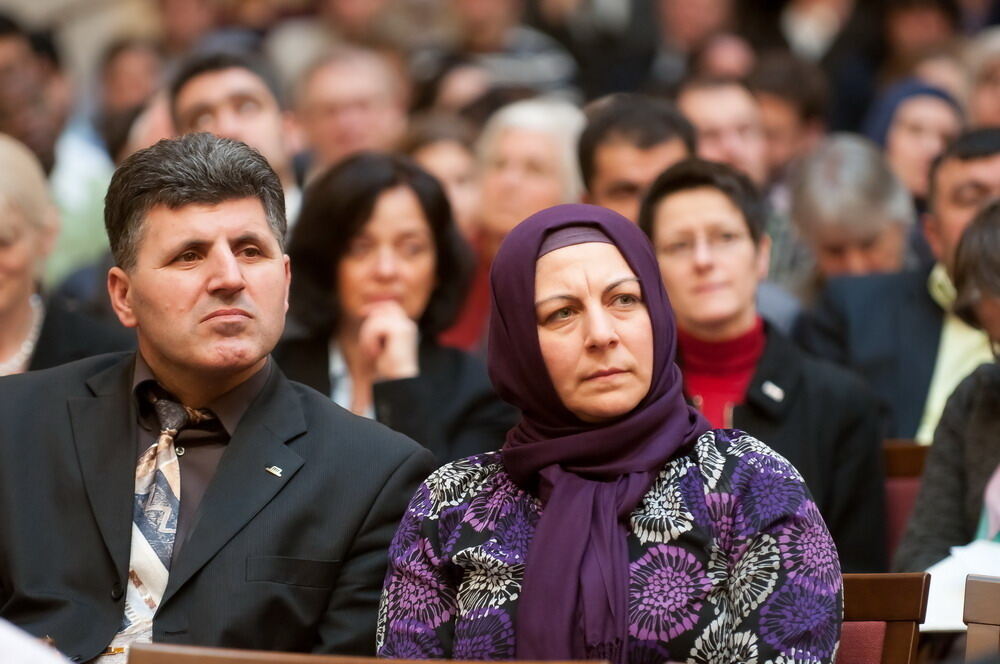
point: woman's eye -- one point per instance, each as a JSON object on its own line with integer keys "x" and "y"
{"x": 559, "y": 315}
{"x": 627, "y": 299}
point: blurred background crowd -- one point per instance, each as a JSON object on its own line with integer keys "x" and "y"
{"x": 827, "y": 156}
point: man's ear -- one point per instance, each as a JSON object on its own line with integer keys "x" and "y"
{"x": 288, "y": 279}
{"x": 119, "y": 290}
{"x": 932, "y": 234}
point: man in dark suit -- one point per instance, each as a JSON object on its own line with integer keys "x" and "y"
{"x": 189, "y": 493}
{"x": 897, "y": 330}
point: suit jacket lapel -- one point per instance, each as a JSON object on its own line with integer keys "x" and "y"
{"x": 243, "y": 485}
{"x": 105, "y": 446}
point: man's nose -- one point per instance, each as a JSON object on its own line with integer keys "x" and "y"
{"x": 227, "y": 273}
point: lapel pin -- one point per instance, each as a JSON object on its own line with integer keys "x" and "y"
{"x": 274, "y": 470}
{"x": 773, "y": 391}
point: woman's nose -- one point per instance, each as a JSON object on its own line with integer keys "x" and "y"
{"x": 386, "y": 263}
{"x": 601, "y": 330}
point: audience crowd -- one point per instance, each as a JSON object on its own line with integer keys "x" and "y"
{"x": 650, "y": 283}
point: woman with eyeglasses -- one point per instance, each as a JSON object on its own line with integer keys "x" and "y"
{"x": 706, "y": 223}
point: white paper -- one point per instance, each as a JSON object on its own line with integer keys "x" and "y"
{"x": 946, "y": 600}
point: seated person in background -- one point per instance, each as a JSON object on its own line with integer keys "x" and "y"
{"x": 850, "y": 210}
{"x": 706, "y": 223}
{"x": 443, "y": 145}
{"x": 37, "y": 333}
{"x": 236, "y": 96}
{"x": 959, "y": 497}
{"x": 189, "y": 493}
{"x": 527, "y": 162}
{"x": 793, "y": 96}
{"x": 914, "y": 122}
{"x": 898, "y": 331}
{"x": 629, "y": 139}
{"x": 614, "y": 524}
{"x": 351, "y": 99}
{"x": 730, "y": 130}
{"x": 372, "y": 291}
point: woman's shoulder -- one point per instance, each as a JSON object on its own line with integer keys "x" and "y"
{"x": 459, "y": 483}
{"x": 719, "y": 453}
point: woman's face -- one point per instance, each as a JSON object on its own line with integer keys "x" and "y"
{"x": 709, "y": 263}
{"x": 594, "y": 330}
{"x": 392, "y": 257}
{"x": 921, "y": 128}
{"x": 22, "y": 250}
{"x": 521, "y": 177}
{"x": 454, "y": 165}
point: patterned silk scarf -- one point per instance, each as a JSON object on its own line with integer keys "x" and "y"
{"x": 154, "y": 523}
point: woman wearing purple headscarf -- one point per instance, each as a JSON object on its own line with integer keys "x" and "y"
{"x": 613, "y": 524}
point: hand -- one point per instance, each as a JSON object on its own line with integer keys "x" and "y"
{"x": 389, "y": 338}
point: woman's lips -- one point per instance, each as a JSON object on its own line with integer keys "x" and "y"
{"x": 604, "y": 373}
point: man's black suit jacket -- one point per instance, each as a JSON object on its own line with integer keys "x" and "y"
{"x": 886, "y": 328}
{"x": 290, "y": 562}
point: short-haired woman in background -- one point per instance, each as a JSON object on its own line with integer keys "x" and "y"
{"x": 706, "y": 222}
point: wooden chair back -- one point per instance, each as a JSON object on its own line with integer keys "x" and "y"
{"x": 904, "y": 465}
{"x": 982, "y": 615}
{"x": 162, "y": 653}
{"x": 882, "y": 614}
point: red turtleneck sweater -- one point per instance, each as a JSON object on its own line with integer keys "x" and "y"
{"x": 718, "y": 373}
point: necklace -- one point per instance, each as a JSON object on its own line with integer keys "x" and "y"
{"x": 19, "y": 360}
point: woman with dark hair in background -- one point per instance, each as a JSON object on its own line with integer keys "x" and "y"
{"x": 959, "y": 497}
{"x": 379, "y": 270}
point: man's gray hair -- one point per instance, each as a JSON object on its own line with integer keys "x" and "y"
{"x": 195, "y": 169}
{"x": 847, "y": 185}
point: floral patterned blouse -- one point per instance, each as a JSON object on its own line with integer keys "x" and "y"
{"x": 730, "y": 561}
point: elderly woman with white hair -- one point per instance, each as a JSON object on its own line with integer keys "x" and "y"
{"x": 527, "y": 162}
{"x": 35, "y": 334}
{"x": 850, "y": 210}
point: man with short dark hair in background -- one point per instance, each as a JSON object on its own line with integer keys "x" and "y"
{"x": 236, "y": 96}
{"x": 630, "y": 139}
{"x": 898, "y": 331}
{"x": 189, "y": 493}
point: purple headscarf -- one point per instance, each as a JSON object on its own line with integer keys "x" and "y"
{"x": 590, "y": 477}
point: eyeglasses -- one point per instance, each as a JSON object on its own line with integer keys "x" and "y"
{"x": 719, "y": 242}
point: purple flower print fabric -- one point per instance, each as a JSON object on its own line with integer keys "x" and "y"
{"x": 730, "y": 561}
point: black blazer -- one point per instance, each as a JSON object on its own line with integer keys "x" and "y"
{"x": 450, "y": 408}
{"x": 960, "y": 463}
{"x": 824, "y": 420}
{"x": 276, "y": 563}
{"x": 68, "y": 335}
{"x": 886, "y": 328}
